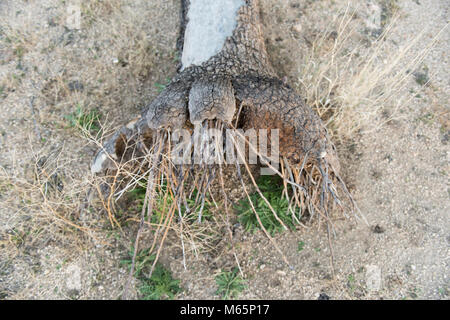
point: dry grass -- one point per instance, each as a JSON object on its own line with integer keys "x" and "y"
{"x": 358, "y": 85}
{"x": 45, "y": 206}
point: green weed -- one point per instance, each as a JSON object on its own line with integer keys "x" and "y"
{"x": 271, "y": 187}
{"x": 162, "y": 86}
{"x": 162, "y": 204}
{"x": 230, "y": 284}
{"x": 84, "y": 120}
{"x": 161, "y": 285}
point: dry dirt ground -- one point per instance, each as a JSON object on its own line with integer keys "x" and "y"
{"x": 52, "y": 247}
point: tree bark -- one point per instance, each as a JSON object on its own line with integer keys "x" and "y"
{"x": 214, "y": 85}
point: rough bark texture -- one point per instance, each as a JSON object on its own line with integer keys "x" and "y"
{"x": 241, "y": 77}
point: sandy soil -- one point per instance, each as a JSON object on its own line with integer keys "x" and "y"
{"x": 398, "y": 173}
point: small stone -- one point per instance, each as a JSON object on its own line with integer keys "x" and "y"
{"x": 323, "y": 296}
{"x": 297, "y": 29}
{"x": 377, "y": 229}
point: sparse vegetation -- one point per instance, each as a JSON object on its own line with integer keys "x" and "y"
{"x": 162, "y": 86}
{"x": 160, "y": 285}
{"x": 230, "y": 284}
{"x": 421, "y": 76}
{"x": 388, "y": 9}
{"x": 19, "y": 51}
{"x": 272, "y": 188}
{"x": 427, "y": 118}
{"x": 84, "y": 120}
{"x": 351, "y": 281}
{"x": 351, "y": 100}
{"x": 192, "y": 210}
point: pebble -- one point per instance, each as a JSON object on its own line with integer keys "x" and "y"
{"x": 297, "y": 28}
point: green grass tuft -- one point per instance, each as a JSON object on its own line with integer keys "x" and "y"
{"x": 84, "y": 120}
{"x": 271, "y": 187}
{"x": 161, "y": 285}
{"x": 230, "y": 284}
{"x": 139, "y": 192}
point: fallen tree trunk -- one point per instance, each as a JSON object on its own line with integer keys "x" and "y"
{"x": 227, "y": 81}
